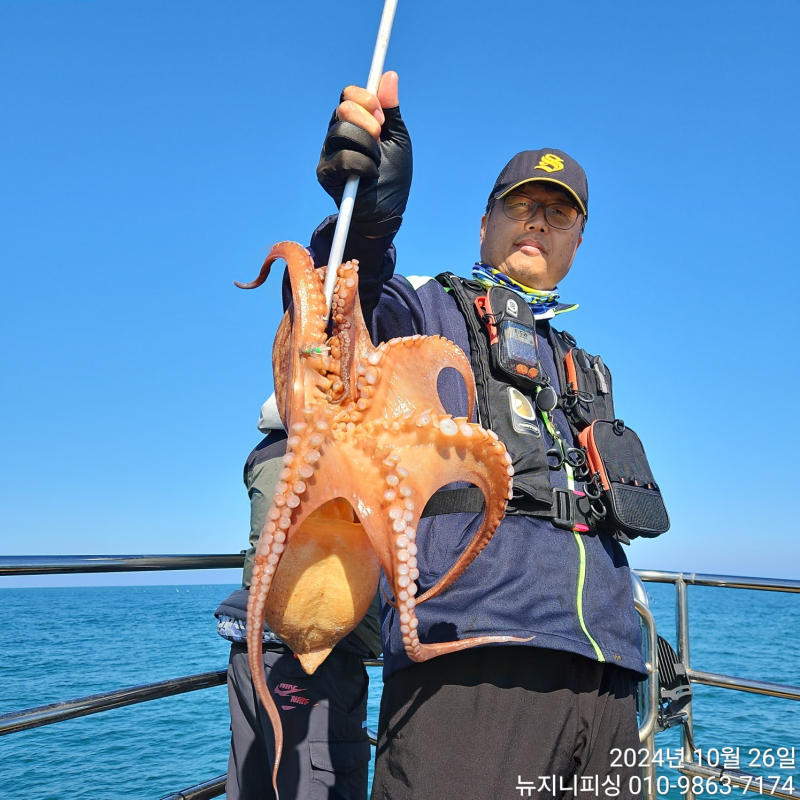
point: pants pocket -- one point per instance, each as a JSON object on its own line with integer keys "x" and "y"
{"x": 339, "y": 769}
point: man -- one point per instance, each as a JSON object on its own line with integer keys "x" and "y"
{"x": 548, "y": 711}
{"x": 323, "y": 716}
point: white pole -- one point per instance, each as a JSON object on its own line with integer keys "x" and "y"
{"x": 351, "y": 187}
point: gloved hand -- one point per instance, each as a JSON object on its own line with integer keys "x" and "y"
{"x": 367, "y": 137}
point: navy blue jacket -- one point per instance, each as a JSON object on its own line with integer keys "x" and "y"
{"x": 569, "y": 591}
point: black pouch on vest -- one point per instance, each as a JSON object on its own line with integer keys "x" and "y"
{"x": 587, "y": 394}
{"x": 514, "y": 350}
{"x": 631, "y": 497}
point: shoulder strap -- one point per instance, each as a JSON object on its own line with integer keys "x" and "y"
{"x": 464, "y": 293}
{"x": 561, "y": 342}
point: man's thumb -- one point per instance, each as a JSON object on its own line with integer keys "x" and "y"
{"x": 387, "y": 90}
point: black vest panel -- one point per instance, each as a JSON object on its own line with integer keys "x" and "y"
{"x": 528, "y": 451}
{"x": 533, "y": 493}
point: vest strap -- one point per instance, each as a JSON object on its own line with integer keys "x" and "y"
{"x": 568, "y": 510}
{"x": 454, "y": 501}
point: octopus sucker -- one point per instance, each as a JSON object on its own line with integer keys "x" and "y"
{"x": 369, "y": 443}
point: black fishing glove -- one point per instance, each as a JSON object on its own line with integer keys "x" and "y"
{"x": 384, "y": 169}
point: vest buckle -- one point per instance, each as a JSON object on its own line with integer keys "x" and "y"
{"x": 564, "y": 508}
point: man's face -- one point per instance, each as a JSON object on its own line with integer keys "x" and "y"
{"x": 531, "y": 252}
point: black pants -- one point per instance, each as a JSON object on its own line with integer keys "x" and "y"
{"x": 504, "y": 722}
{"x": 326, "y": 750}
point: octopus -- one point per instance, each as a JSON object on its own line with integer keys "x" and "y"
{"x": 368, "y": 443}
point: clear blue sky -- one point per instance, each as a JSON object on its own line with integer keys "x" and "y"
{"x": 153, "y": 152}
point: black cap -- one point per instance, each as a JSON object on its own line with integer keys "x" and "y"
{"x": 551, "y": 166}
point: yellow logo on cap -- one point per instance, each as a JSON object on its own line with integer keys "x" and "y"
{"x": 550, "y": 163}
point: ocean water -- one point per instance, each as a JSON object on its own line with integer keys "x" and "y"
{"x": 62, "y": 643}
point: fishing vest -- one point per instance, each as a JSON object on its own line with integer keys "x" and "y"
{"x": 509, "y": 409}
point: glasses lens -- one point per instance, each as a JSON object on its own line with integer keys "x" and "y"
{"x": 561, "y": 215}
{"x": 558, "y": 215}
{"x": 518, "y": 207}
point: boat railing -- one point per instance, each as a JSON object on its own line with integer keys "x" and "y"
{"x": 26, "y": 719}
{"x": 688, "y": 765}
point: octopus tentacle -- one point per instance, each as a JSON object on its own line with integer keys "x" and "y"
{"x": 346, "y": 332}
{"x": 282, "y": 353}
{"x": 308, "y": 296}
{"x": 263, "y": 570}
{"x": 423, "y": 652}
{"x": 495, "y": 495}
{"x": 411, "y": 383}
{"x": 405, "y": 572}
{"x": 255, "y": 612}
{"x": 299, "y": 461}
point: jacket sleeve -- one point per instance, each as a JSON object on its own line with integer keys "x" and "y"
{"x": 376, "y": 260}
{"x": 260, "y": 476}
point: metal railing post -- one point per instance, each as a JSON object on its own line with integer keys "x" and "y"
{"x": 682, "y": 623}
{"x": 648, "y": 690}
